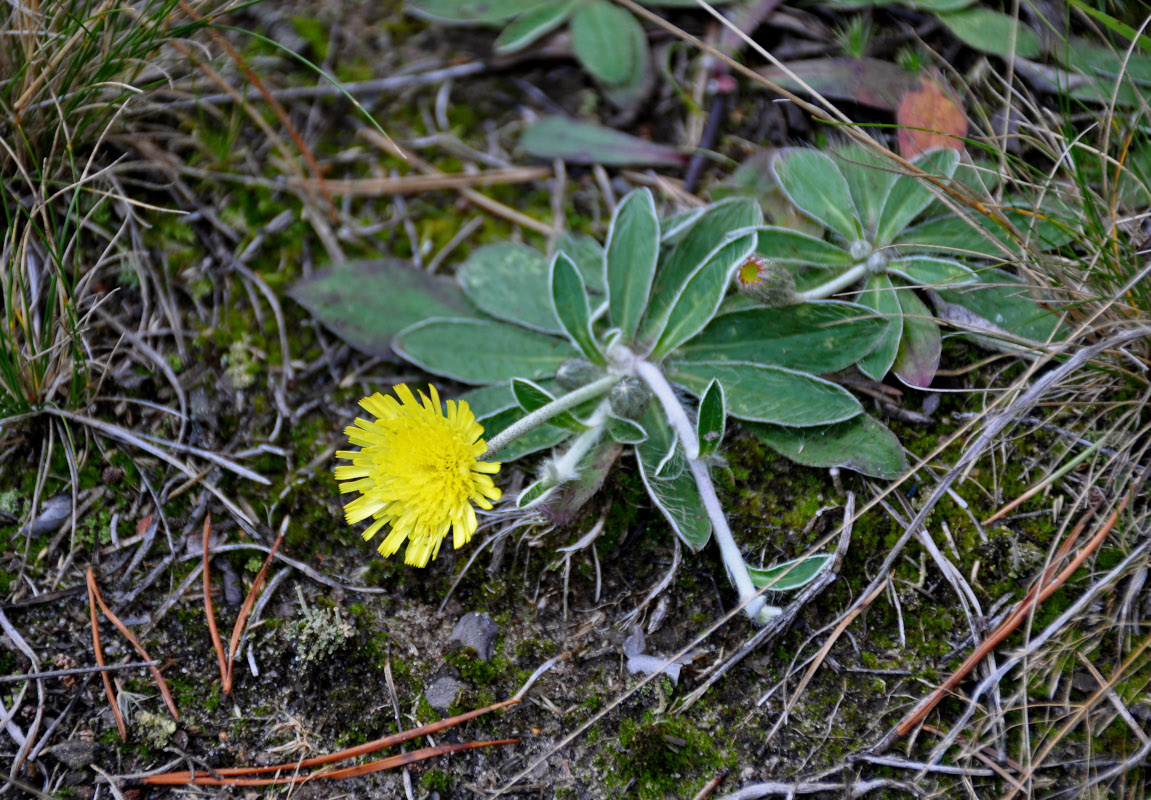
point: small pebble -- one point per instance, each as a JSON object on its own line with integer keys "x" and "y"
{"x": 478, "y": 631}
{"x": 442, "y": 692}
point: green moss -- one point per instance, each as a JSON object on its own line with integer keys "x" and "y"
{"x": 315, "y": 33}
{"x": 476, "y": 670}
{"x": 437, "y": 780}
{"x": 425, "y": 713}
{"x": 212, "y": 701}
{"x": 666, "y": 757}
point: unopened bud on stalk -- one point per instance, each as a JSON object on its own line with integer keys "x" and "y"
{"x": 629, "y": 398}
{"x": 576, "y": 372}
{"x": 766, "y": 281}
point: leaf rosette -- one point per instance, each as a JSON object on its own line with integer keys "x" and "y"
{"x": 890, "y": 239}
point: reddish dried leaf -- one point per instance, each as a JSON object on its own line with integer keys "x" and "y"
{"x": 930, "y": 116}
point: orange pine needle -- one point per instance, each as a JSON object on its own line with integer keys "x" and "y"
{"x": 347, "y": 772}
{"x": 209, "y": 612}
{"x": 246, "y": 609}
{"x": 100, "y": 656}
{"x": 242, "y": 776}
{"x": 351, "y": 752}
{"x": 120, "y": 626}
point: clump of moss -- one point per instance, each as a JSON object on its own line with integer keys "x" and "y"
{"x": 437, "y": 780}
{"x": 154, "y": 730}
{"x": 664, "y": 757}
{"x": 320, "y": 633}
{"x": 477, "y": 671}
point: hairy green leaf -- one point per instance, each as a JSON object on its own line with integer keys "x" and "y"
{"x": 789, "y": 575}
{"x": 702, "y": 294}
{"x": 992, "y": 32}
{"x": 879, "y": 295}
{"x": 673, "y": 490}
{"x": 585, "y": 143}
{"x": 1002, "y": 305}
{"x": 706, "y": 234}
{"x": 932, "y": 273}
{"x": 625, "y": 431}
{"x": 366, "y": 303}
{"x": 870, "y": 177}
{"x": 711, "y": 420}
{"x": 770, "y": 394}
{"x": 908, "y": 195}
{"x": 569, "y": 297}
{"x": 532, "y": 25}
{"x": 531, "y": 396}
{"x": 602, "y": 39}
{"x": 920, "y": 347}
{"x": 630, "y": 260}
{"x": 861, "y": 444}
{"x": 813, "y": 337}
{"x": 587, "y": 254}
{"x": 792, "y": 247}
{"x": 481, "y": 351}
{"x": 510, "y": 282}
{"x": 470, "y": 11}
{"x": 815, "y": 185}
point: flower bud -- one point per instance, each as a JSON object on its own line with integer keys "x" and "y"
{"x": 576, "y": 372}
{"x": 766, "y": 281}
{"x": 629, "y": 398}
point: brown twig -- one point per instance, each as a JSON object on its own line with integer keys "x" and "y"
{"x": 100, "y": 656}
{"x": 173, "y": 778}
{"x": 209, "y": 611}
{"x": 246, "y": 609}
{"x": 120, "y": 626}
{"x": 1042, "y": 590}
{"x": 60, "y": 673}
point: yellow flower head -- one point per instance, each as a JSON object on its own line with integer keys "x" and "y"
{"x": 417, "y": 471}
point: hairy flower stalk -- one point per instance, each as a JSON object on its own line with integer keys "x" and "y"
{"x": 874, "y": 263}
{"x": 753, "y": 602}
{"x": 541, "y": 415}
{"x": 564, "y": 469}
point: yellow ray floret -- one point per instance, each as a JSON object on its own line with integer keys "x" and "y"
{"x": 417, "y": 471}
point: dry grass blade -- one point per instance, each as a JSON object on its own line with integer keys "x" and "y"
{"x": 1106, "y": 688}
{"x": 175, "y": 778}
{"x": 414, "y": 184}
{"x": 246, "y": 608}
{"x": 471, "y": 195}
{"x": 59, "y": 673}
{"x": 120, "y": 626}
{"x": 347, "y": 772}
{"x": 1041, "y": 485}
{"x": 1042, "y": 590}
{"x": 277, "y": 107}
{"x": 100, "y": 656}
{"x": 209, "y": 611}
